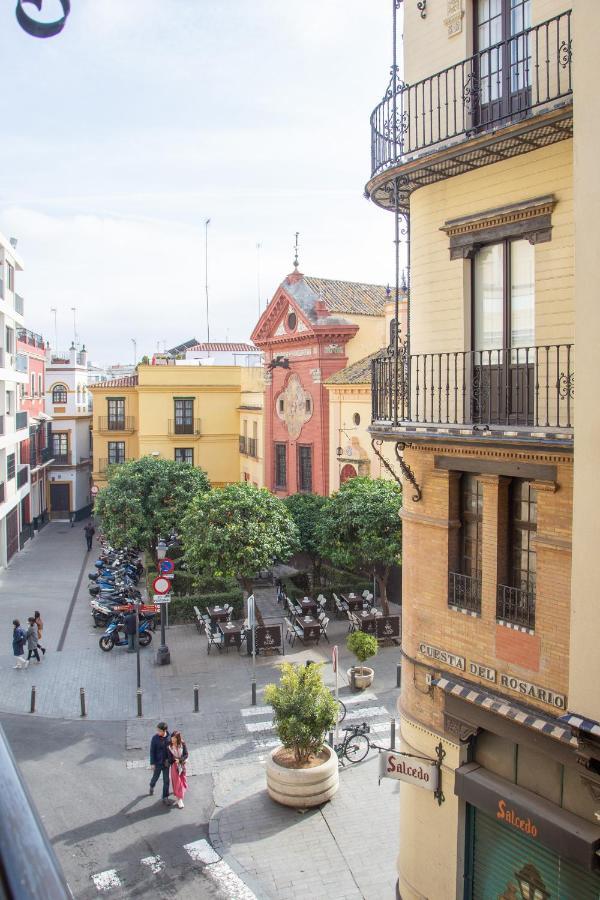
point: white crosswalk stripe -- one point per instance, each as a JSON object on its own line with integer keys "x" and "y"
{"x": 106, "y": 881}
{"x": 154, "y": 863}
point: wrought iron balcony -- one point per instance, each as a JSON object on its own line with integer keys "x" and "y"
{"x": 525, "y": 388}
{"x": 103, "y": 464}
{"x": 191, "y": 427}
{"x": 510, "y": 82}
{"x": 62, "y": 459}
{"x": 243, "y": 444}
{"x": 31, "y": 338}
{"x": 516, "y": 606}
{"x": 116, "y": 423}
{"x": 249, "y": 446}
{"x": 2, "y": 492}
{"x": 464, "y": 592}
{"x": 22, "y": 476}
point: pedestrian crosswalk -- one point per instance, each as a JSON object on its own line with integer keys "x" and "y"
{"x": 229, "y": 885}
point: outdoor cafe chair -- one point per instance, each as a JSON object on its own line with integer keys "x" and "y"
{"x": 200, "y": 623}
{"x": 324, "y": 623}
{"x": 351, "y": 620}
{"x": 290, "y": 634}
{"x": 321, "y": 601}
{"x": 215, "y": 639}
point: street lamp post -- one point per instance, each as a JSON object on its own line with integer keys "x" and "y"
{"x": 163, "y": 655}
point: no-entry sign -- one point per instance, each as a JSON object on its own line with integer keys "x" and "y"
{"x": 161, "y": 585}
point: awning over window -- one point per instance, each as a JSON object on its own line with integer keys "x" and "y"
{"x": 587, "y": 725}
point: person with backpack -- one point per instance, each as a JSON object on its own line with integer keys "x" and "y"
{"x": 18, "y": 643}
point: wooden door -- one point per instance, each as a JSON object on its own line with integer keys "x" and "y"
{"x": 59, "y": 500}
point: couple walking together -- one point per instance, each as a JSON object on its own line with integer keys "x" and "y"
{"x": 32, "y": 637}
{"x": 168, "y": 754}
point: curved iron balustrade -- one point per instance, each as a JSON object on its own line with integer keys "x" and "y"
{"x": 41, "y": 29}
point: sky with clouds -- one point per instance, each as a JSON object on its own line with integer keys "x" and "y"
{"x": 144, "y": 118}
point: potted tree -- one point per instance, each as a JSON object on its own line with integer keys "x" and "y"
{"x": 363, "y": 646}
{"x": 303, "y": 771}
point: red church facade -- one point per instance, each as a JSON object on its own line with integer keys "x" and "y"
{"x": 307, "y": 333}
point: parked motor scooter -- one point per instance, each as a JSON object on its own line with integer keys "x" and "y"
{"x": 115, "y": 636}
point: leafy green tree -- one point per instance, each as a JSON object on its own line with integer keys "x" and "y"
{"x": 360, "y": 529}
{"x": 145, "y": 499}
{"x": 236, "y": 531}
{"x": 303, "y": 709}
{"x": 306, "y": 511}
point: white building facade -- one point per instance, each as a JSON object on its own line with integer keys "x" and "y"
{"x": 68, "y": 402}
{"x": 14, "y": 426}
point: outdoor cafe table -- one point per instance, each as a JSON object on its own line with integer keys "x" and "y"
{"x": 309, "y": 607}
{"x": 218, "y": 614}
{"x": 354, "y": 603}
{"x": 232, "y": 634}
{"x": 311, "y": 629}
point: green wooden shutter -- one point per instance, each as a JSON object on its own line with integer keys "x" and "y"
{"x": 500, "y": 852}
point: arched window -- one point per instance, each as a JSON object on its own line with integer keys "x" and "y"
{"x": 59, "y": 393}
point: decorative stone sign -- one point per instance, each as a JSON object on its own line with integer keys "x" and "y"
{"x": 453, "y": 20}
{"x": 527, "y": 689}
{"x": 481, "y": 671}
{"x": 334, "y": 348}
{"x": 294, "y": 412}
{"x": 443, "y": 656}
{"x": 411, "y": 769}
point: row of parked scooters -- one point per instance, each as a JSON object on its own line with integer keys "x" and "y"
{"x": 114, "y": 591}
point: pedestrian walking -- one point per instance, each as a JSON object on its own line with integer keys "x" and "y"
{"x": 90, "y": 531}
{"x": 129, "y": 622}
{"x": 178, "y": 755}
{"x": 32, "y": 640}
{"x": 18, "y": 641}
{"x": 40, "y": 628}
{"x": 159, "y": 760}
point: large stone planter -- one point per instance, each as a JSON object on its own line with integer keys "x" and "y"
{"x": 363, "y": 676}
{"x": 303, "y": 788}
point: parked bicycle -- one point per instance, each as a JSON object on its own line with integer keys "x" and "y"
{"x": 342, "y": 706}
{"x": 355, "y": 745}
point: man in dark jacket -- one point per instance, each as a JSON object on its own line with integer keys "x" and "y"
{"x": 159, "y": 760}
{"x": 90, "y": 531}
{"x": 129, "y": 622}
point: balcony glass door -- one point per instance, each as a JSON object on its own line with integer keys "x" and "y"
{"x": 503, "y": 59}
{"x": 504, "y": 356}
{"x": 116, "y": 414}
{"x": 184, "y": 416}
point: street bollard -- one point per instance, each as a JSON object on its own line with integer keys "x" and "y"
{"x": 82, "y": 701}
{"x": 196, "y": 698}
{"x": 253, "y": 693}
{"x": 139, "y": 702}
{"x": 353, "y": 679}
{"x": 399, "y": 675}
{"x": 32, "y": 705}
{"x": 330, "y": 738}
{"x": 393, "y": 734}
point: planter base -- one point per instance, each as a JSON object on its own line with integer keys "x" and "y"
{"x": 303, "y": 788}
{"x": 363, "y": 677}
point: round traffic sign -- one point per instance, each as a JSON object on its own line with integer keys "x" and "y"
{"x": 161, "y": 585}
{"x": 94, "y": 490}
{"x": 166, "y": 566}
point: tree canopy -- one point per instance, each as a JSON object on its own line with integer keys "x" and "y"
{"x": 360, "y": 528}
{"x": 145, "y": 499}
{"x": 306, "y": 512}
{"x": 236, "y": 531}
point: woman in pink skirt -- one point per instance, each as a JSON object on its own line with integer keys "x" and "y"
{"x": 178, "y": 755}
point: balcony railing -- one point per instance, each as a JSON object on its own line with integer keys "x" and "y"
{"x": 31, "y": 338}
{"x": 191, "y": 427}
{"x": 19, "y": 305}
{"x": 249, "y": 446}
{"x": 22, "y": 476}
{"x": 500, "y": 84}
{"x": 2, "y": 492}
{"x": 464, "y": 592}
{"x": 243, "y": 444}
{"x": 20, "y": 420}
{"x": 516, "y": 606}
{"x": 528, "y": 387}
{"x": 46, "y": 454}
{"x": 62, "y": 459}
{"x": 116, "y": 423}
{"x": 103, "y": 464}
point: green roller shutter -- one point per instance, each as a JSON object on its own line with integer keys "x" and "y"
{"x": 499, "y": 853}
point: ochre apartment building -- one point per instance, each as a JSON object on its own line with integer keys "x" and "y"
{"x": 473, "y": 155}
{"x": 186, "y": 411}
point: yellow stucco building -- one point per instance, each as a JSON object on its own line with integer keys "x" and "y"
{"x": 208, "y": 416}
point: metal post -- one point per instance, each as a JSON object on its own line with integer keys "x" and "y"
{"x": 392, "y": 734}
{"x": 82, "y": 702}
{"x": 138, "y": 694}
{"x": 163, "y": 656}
{"x": 399, "y": 675}
{"x": 330, "y": 739}
{"x": 137, "y": 645}
{"x": 196, "y": 698}
{"x": 352, "y": 679}
{"x": 32, "y": 705}
{"x": 254, "y": 691}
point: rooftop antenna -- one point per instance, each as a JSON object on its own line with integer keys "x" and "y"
{"x": 74, "y": 311}
{"x": 296, "y": 252}
{"x": 258, "y": 248}
{"x": 206, "y": 224}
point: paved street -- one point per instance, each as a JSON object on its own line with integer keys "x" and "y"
{"x": 110, "y": 836}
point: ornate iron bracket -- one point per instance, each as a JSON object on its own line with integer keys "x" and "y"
{"x": 422, "y": 7}
{"x": 41, "y": 29}
{"x": 440, "y": 753}
{"x": 381, "y": 457}
{"x": 407, "y": 472}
